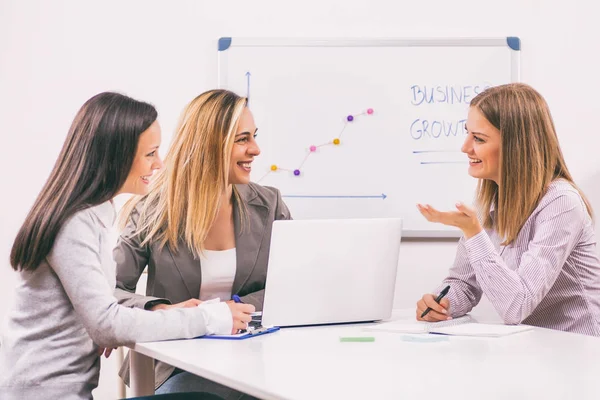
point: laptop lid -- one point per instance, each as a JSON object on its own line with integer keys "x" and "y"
{"x": 331, "y": 271}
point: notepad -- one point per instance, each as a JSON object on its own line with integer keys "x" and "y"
{"x": 481, "y": 330}
{"x": 412, "y": 326}
{"x": 462, "y": 326}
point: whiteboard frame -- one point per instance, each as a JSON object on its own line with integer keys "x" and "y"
{"x": 512, "y": 42}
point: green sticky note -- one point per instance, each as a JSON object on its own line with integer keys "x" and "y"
{"x": 357, "y": 339}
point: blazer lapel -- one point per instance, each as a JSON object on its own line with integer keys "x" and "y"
{"x": 188, "y": 268}
{"x": 249, "y": 233}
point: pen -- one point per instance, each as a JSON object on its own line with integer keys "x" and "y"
{"x": 437, "y": 299}
{"x": 236, "y": 299}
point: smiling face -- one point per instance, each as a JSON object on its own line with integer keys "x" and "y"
{"x": 146, "y": 161}
{"x": 244, "y": 149}
{"x": 482, "y": 146}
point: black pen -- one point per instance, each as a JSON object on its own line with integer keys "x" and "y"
{"x": 437, "y": 299}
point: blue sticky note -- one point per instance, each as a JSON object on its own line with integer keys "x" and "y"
{"x": 425, "y": 338}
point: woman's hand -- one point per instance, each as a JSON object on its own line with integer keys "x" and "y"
{"x": 106, "y": 351}
{"x": 184, "y": 304}
{"x": 241, "y": 315}
{"x": 439, "y": 311}
{"x": 465, "y": 218}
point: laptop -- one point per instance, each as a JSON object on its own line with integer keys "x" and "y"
{"x": 331, "y": 271}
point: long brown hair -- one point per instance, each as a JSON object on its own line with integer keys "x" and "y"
{"x": 530, "y": 157}
{"x": 91, "y": 168}
{"x": 185, "y": 197}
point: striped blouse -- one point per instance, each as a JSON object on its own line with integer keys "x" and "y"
{"x": 548, "y": 277}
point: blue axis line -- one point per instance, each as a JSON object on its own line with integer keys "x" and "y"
{"x": 381, "y": 196}
{"x": 435, "y": 151}
{"x": 444, "y": 162}
{"x": 248, "y": 75}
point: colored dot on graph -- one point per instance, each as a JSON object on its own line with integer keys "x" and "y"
{"x": 273, "y": 167}
{"x": 350, "y": 118}
{"x": 336, "y": 141}
{"x": 370, "y": 111}
{"x": 313, "y": 148}
{"x": 296, "y": 172}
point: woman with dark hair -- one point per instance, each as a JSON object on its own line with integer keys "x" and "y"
{"x": 65, "y": 311}
{"x": 534, "y": 252}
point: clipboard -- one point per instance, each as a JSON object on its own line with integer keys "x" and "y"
{"x": 241, "y": 336}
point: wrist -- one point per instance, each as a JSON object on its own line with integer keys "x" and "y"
{"x": 160, "y": 306}
{"x": 469, "y": 233}
{"x": 150, "y": 305}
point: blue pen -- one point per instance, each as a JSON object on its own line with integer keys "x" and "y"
{"x": 236, "y": 299}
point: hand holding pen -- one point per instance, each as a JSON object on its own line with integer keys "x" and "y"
{"x": 241, "y": 314}
{"x": 434, "y": 309}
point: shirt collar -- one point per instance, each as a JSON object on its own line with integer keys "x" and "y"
{"x": 106, "y": 213}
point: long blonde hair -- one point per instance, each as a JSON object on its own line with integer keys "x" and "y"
{"x": 530, "y": 157}
{"x": 185, "y": 197}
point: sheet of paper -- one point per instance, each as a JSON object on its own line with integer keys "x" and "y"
{"x": 230, "y": 336}
{"x": 481, "y": 330}
{"x": 413, "y": 326}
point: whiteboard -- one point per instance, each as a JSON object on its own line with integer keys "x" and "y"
{"x": 369, "y": 127}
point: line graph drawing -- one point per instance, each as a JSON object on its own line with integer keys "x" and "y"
{"x": 313, "y": 148}
{"x": 381, "y": 196}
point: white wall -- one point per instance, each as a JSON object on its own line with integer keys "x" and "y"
{"x": 56, "y": 54}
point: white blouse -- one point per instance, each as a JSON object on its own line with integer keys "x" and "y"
{"x": 218, "y": 272}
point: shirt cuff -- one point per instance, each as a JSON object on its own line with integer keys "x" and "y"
{"x": 479, "y": 246}
{"x": 219, "y": 318}
{"x": 152, "y": 303}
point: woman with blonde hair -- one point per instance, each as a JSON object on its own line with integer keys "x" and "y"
{"x": 204, "y": 229}
{"x": 535, "y": 257}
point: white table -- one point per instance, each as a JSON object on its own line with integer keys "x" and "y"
{"x": 312, "y": 363}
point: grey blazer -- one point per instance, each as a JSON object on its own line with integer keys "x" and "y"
{"x": 174, "y": 277}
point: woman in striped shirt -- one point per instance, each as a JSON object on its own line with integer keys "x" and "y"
{"x": 534, "y": 252}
